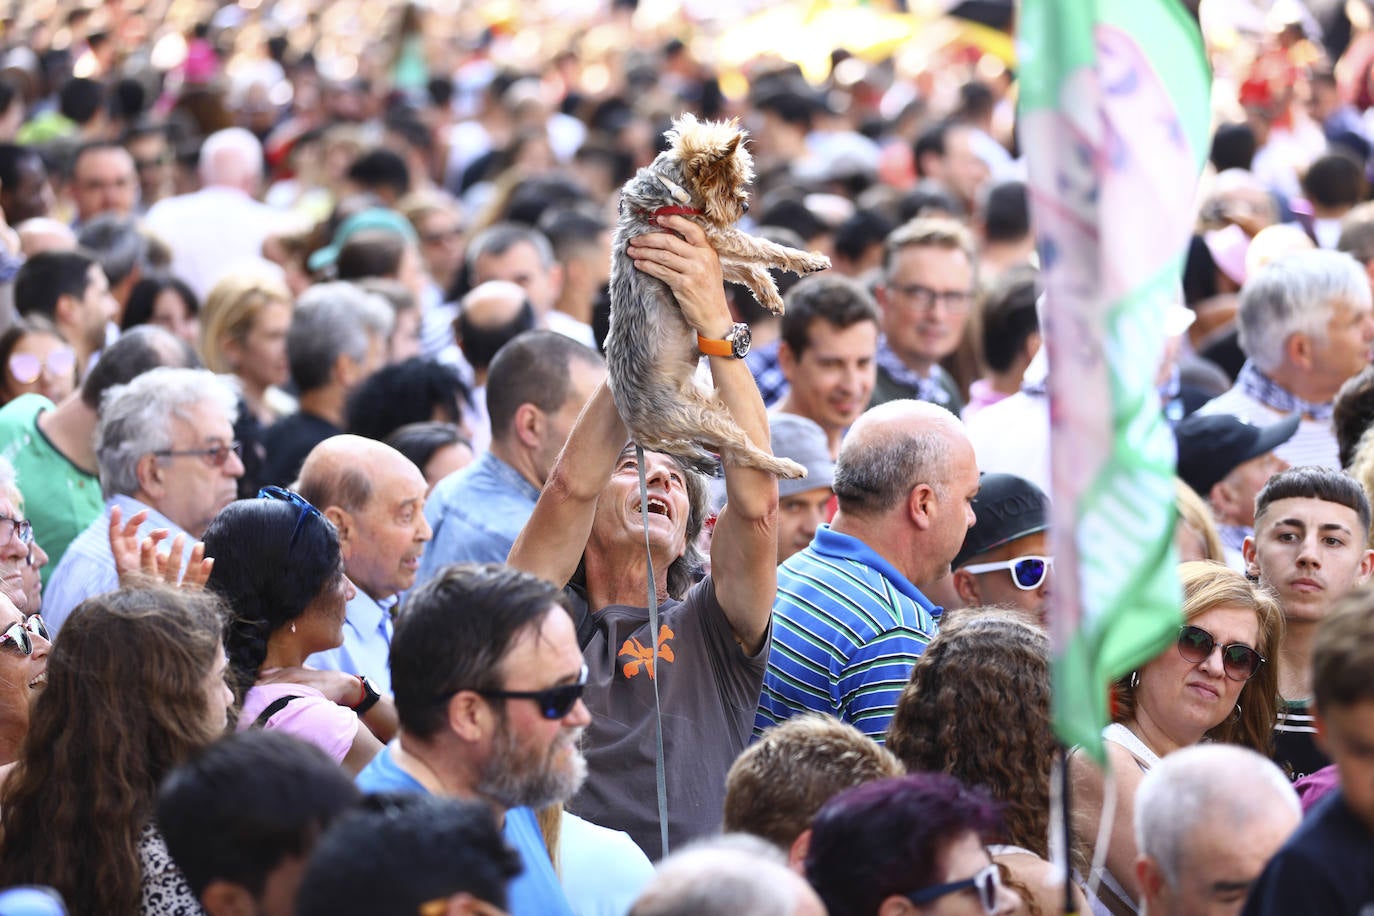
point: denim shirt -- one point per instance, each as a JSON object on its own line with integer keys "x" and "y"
{"x": 476, "y": 515}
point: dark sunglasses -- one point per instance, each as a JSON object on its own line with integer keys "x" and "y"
{"x": 297, "y": 500}
{"x": 19, "y": 634}
{"x": 215, "y": 455}
{"x": 987, "y": 882}
{"x": 553, "y": 702}
{"x": 1027, "y": 572}
{"x": 1239, "y": 661}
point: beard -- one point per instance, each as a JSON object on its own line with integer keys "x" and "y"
{"x": 519, "y": 776}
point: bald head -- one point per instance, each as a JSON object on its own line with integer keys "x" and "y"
{"x": 735, "y": 873}
{"x": 42, "y": 234}
{"x": 341, "y": 470}
{"x": 892, "y": 448}
{"x": 231, "y": 158}
{"x": 492, "y": 315}
{"x": 375, "y": 496}
{"x": 1208, "y": 818}
{"x": 493, "y": 303}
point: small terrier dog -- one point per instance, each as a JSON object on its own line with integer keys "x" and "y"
{"x": 651, "y": 350}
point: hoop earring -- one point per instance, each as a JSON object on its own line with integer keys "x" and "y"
{"x": 1135, "y": 679}
{"x": 1235, "y": 716}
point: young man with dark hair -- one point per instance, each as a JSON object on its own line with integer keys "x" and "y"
{"x": 537, "y": 386}
{"x": 241, "y": 818}
{"x": 68, "y": 288}
{"x": 1311, "y": 546}
{"x": 1327, "y": 866}
{"x": 1009, "y": 336}
{"x": 829, "y": 339}
{"x": 410, "y": 854}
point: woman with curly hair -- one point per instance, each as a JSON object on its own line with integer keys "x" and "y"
{"x": 279, "y": 567}
{"x": 135, "y": 688}
{"x": 1217, "y": 682}
{"x": 978, "y": 708}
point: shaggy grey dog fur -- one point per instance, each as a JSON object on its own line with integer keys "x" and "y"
{"x": 651, "y": 351}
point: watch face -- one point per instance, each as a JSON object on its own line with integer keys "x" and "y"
{"x": 740, "y": 338}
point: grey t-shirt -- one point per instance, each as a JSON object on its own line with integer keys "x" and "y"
{"x": 708, "y": 689}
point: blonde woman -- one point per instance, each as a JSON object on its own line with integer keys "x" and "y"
{"x": 1218, "y": 681}
{"x": 243, "y": 327}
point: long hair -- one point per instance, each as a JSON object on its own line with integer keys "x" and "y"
{"x": 124, "y": 704}
{"x": 1207, "y": 585}
{"x": 268, "y": 570}
{"x": 978, "y": 708}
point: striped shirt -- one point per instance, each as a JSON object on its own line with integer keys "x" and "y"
{"x": 847, "y": 627}
{"x": 1313, "y": 443}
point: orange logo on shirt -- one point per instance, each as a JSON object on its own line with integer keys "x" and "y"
{"x": 643, "y": 657}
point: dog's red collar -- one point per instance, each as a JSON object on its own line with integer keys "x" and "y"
{"x": 676, "y": 210}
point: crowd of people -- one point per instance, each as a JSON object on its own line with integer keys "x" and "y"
{"x": 331, "y": 583}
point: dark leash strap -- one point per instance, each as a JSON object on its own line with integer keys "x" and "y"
{"x": 272, "y": 709}
{"x": 660, "y": 775}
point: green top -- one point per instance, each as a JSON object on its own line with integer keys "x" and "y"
{"x": 59, "y": 498}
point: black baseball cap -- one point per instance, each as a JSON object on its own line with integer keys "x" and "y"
{"x": 1008, "y": 507}
{"x": 1211, "y": 446}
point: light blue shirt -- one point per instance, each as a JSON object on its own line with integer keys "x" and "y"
{"x": 476, "y": 515}
{"x": 88, "y": 568}
{"x": 533, "y": 892}
{"x": 366, "y": 645}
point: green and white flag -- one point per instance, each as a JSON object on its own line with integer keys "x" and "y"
{"x": 1114, "y": 122}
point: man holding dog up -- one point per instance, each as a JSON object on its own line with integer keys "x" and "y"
{"x": 587, "y": 531}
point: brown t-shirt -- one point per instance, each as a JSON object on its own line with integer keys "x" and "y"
{"x": 709, "y": 690}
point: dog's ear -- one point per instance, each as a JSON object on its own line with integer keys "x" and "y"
{"x": 730, "y": 147}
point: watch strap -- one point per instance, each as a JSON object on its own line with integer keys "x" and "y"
{"x": 715, "y": 347}
{"x": 370, "y": 696}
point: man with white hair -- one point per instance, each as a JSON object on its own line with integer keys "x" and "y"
{"x": 337, "y": 339}
{"x": 1207, "y": 820}
{"x": 222, "y": 224}
{"x": 1306, "y": 325}
{"x": 165, "y": 444}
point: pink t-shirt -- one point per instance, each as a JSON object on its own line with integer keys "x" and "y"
{"x": 312, "y": 717}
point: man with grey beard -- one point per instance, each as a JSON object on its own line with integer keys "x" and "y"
{"x": 488, "y": 676}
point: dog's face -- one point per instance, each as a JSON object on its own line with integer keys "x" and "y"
{"x": 716, "y": 167}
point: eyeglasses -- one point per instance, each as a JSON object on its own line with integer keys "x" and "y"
{"x": 924, "y": 298}
{"x": 144, "y": 165}
{"x": 988, "y": 882}
{"x": 553, "y": 702}
{"x": 20, "y": 527}
{"x": 27, "y": 368}
{"x": 215, "y": 455}
{"x": 297, "y": 500}
{"x": 443, "y": 235}
{"x": 1239, "y": 661}
{"x": 1027, "y": 572}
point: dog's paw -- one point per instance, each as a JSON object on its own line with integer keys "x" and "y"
{"x": 768, "y": 298}
{"x": 814, "y": 262}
